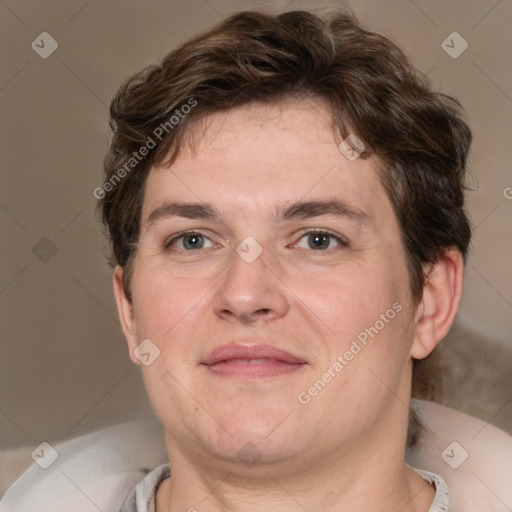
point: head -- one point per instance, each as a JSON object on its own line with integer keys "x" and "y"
{"x": 247, "y": 119}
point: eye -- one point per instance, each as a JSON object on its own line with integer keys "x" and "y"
{"x": 189, "y": 241}
{"x": 320, "y": 241}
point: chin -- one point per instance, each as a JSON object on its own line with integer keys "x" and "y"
{"x": 265, "y": 431}
{"x": 251, "y": 450}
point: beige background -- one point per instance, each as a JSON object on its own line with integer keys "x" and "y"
{"x": 64, "y": 367}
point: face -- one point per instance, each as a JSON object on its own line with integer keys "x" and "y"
{"x": 271, "y": 277}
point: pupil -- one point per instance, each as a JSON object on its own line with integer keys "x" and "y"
{"x": 319, "y": 241}
{"x": 193, "y": 241}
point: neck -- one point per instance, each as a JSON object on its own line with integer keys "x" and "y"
{"x": 369, "y": 478}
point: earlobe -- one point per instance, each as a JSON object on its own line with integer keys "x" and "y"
{"x": 125, "y": 311}
{"x": 440, "y": 301}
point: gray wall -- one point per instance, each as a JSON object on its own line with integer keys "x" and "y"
{"x": 64, "y": 366}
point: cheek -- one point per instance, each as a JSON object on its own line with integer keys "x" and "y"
{"x": 172, "y": 313}
{"x": 159, "y": 301}
{"x": 166, "y": 310}
{"x": 370, "y": 305}
{"x": 353, "y": 299}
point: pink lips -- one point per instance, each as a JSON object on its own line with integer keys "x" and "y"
{"x": 256, "y": 361}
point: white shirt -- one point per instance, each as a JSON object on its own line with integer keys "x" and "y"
{"x": 142, "y": 498}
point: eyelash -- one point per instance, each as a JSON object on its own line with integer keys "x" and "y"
{"x": 341, "y": 241}
{"x": 169, "y": 242}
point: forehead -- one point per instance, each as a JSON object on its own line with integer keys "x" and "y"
{"x": 257, "y": 157}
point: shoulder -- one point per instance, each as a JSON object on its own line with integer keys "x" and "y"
{"x": 143, "y": 496}
{"x": 102, "y": 467}
{"x": 474, "y": 457}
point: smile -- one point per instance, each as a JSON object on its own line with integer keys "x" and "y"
{"x": 250, "y": 362}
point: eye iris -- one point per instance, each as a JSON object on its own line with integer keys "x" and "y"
{"x": 318, "y": 241}
{"x": 194, "y": 241}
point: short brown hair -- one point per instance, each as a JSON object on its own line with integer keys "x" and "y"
{"x": 372, "y": 90}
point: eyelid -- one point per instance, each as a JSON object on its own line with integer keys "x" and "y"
{"x": 322, "y": 231}
{"x": 339, "y": 238}
{"x": 176, "y": 236}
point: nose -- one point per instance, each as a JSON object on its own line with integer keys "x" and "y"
{"x": 250, "y": 292}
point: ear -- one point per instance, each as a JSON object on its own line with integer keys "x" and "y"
{"x": 125, "y": 311}
{"x": 439, "y": 303}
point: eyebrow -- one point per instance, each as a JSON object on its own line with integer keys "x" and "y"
{"x": 186, "y": 210}
{"x": 336, "y": 207}
{"x": 297, "y": 210}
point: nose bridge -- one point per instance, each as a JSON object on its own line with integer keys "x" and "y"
{"x": 250, "y": 289}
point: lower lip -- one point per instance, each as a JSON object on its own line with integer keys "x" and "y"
{"x": 250, "y": 370}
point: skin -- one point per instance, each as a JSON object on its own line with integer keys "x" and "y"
{"x": 345, "y": 449}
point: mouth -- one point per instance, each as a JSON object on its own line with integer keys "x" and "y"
{"x": 249, "y": 362}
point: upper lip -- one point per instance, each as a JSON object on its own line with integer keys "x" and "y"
{"x": 236, "y": 351}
